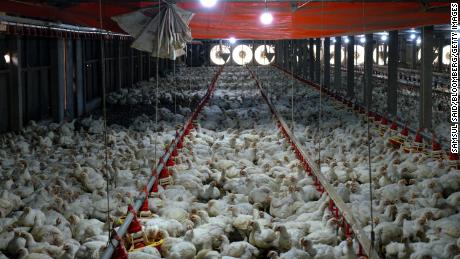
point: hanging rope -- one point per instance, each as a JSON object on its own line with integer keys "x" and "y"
{"x": 369, "y": 144}
{"x": 320, "y": 110}
{"x": 156, "y": 93}
{"x": 104, "y": 114}
{"x": 189, "y": 77}
{"x": 175, "y": 87}
{"x": 292, "y": 87}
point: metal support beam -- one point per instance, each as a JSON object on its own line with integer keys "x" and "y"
{"x": 312, "y": 60}
{"x": 327, "y": 62}
{"x": 141, "y": 67}
{"x": 79, "y": 77}
{"x": 131, "y": 67}
{"x": 318, "y": 60}
{"x": 16, "y": 86}
{"x": 426, "y": 80}
{"x": 57, "y": 87}
{"x": 368, "y": 64}
{"x": 440, "y": 41}
{"x": 119, "y": 66}
{"x": 351, "y": 67}
{"x": 413, "y": 46}
{"x": 338, "y": 63}
{"x": 392, "y": 92}
{"x": 69, "y": 79}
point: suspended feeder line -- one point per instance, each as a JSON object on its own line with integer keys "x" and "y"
{"x": 355, "y": 106}
{"x": 336, "y": 204}
{"x": 180, "y": 135}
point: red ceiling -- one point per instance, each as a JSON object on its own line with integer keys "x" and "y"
{"x": 241, "y": 20}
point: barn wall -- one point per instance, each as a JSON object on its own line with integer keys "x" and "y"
{"x": 55, "y": 79}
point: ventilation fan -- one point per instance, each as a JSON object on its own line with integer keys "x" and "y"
{"x": 220, "y": 54}
{"x": 242, "y": 54}
{"x": 378, "y": 57}
{"x": 264, "y": 54}
{"x": 435, "y": 55}
{"x": 332, "y": 50}
{"x": 359, "y": 55}
{"x": 446, "y": 55}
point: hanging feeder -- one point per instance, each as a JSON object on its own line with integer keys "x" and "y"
{"x": 417, "y": 145}
{"x": 400, "y": 139}
{"x": 383, "y": 125}
{"x": 454, "y": 161}
{"x": 436, "y": 149}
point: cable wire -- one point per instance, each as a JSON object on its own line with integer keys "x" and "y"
{"x": 292, "y": 87}
{"x": 104, "y": 115}
{"x": 156, "y": 90}
{"x": 368, "y": 104}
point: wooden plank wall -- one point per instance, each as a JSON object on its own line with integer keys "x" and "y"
{"x": 55, "y": 79}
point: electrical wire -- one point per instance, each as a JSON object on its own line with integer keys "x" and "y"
{"x": 156, "y": 90}
{"x": 292, "y": 87}
{"x": 104, "y": 114}
{"x": 175, "y": 87}
{"x": 368, "y": 104}
{"x": 320, "y": 109}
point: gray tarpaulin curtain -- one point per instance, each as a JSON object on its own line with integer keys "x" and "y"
{"x": 164, "y": 33}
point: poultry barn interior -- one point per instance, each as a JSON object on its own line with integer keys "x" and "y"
{"x": 228, "y": 129}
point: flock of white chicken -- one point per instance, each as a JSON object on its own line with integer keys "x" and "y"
{"x": 408, "y": 104}
{"x": 238, "y": 191}
{"x": 416, "y": 198}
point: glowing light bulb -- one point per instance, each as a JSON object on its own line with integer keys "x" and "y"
{"x": 208, "y": 3}
{"x": 7, "y": 58}
{"x": 232, "y": 40}
{"x": 412, "y": 36}
{"x": 346, "y": 40}
{"x": 362, "y": 40}
{"x": 266, "y": 18}
{"x": 384, "y": 37}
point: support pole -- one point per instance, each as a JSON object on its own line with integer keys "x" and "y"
{"x": 79, "y": 77}
{"x": 16, "y": 87}
{"x": 318, "y": 61}
{"x": 69, "y": 80}
{"x": 119, "y": 66}
{"x": 58, "y": 82}
{"x": 392, "y": 93}
{"x": 327, "y": 62}
{"x": 338, "y": 63}
{"x": 426, "y": 73}
{"x": 367, "y": 91}
{"x": 312, "y": 60}
{"x": 351, "y": 67}
{"x": 413, "y": 45}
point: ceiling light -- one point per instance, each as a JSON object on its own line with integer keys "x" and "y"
{"x": 384, "y": 37}
{"x": 412, "y": 36}
{"x": 208, "y": 3}
{"x": 362, "y": 40}
{"x": 346, "y": 40}
{"x": 7, "y": 58}
{"x": 333, "y": 40}
{"x": 232, "y": 40}
{"x": 266, "y": 18}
